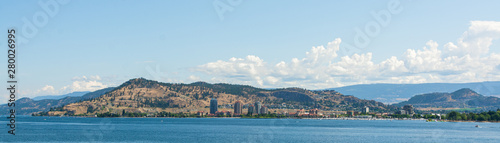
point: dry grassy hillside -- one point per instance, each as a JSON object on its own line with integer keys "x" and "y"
{"x": 146, "y": 96}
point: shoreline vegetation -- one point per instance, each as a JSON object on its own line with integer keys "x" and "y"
{"x": 342, "y": 118}
{"x": 454, "y": 116}
{"x": 490, "y": 116}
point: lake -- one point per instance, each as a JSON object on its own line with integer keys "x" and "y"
{"x": 75, "y": 129}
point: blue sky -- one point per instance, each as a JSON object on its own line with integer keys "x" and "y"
{"x": 87, "y": 45}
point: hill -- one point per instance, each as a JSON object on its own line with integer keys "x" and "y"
{"x": 395, "y": 93}
{"x": 463, "y": 98}
{"x": 26, "y": 106}
{"x": 72, "y": 94}
{"x": 146, "y": 96}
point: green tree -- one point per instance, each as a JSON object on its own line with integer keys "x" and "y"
{"x": 463, "y": 116}
{"x": 491, "y": 113}
{"x": 90, "y": 109}
{"x": 417, "y": 116}
{"x": 487, "y": 117}
{"x": 495, "y": 117}
{"x": 470, "y": 116}
{"x": 481, "y": 118}
{"x": 475, "y": 117}
{"x": 452, "y": 115}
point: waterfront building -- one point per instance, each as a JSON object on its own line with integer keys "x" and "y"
{"x": 223, "y": 113}
{"x": 402, "y": 112}
{"x": 238, "y": 108}
{"x": 301, "y": 111}
{"x": 258, "y": 106}
{"x": 200, "y": 113}
{"x": 213, "y": 106}
{"x": 365, "y": 110}
{"x": 251, "y": 109}
{"x": 408, "y": 109}
{"x": 350, "y": 113}
{"x": 283, "y": 113}
{"x": 313, "y": 112}
{"x": 263, "y": 110}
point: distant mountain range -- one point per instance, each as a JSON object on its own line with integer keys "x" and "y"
{"x": 463, "y": 98}
{"x": 147, "y": 96}
{"x": 395, "y": 93}
{"x": 26, "y": 106}
{"x": 72, "y": 94}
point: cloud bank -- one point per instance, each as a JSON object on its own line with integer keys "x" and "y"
{"x": 466, "y": 60}
{"x": 83, "y": 83}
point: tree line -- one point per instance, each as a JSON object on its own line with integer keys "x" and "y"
{"x": 483, "y": 116}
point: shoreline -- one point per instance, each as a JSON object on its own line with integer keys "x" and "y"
{"x": 474, "y": 121}
{"x": 374, "y": 119}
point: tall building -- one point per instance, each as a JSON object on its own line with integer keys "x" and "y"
{"x": 213, "y": 106}
{"x": 251, "y": 109}
{"x": 238, "y": 107}
{"x": 402, "y": 112}
{"x": 365, "y": 110}
{"x": 408, "y": 109}
{"x": 258, "y": 106}
{"x": 263, "y": 110}
{"x": 313, "y": 111}
{"x": 301, "y": 111}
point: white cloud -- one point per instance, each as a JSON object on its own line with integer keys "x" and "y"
{"x": 84, "y": 83}
{"x": 85, "y": 86}
{"x": 92, "y": 77}
{"x": 194, "y": 78}
{"x": 477, "y": 40}
{"x": 250, "y": 68}
{"x": 467, "y": 60}
{"x": 79, "y": 83}
{"x": 47, "y": 90}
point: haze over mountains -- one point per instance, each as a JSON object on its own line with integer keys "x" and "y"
{"x": 27, "y": 106}
{"x": 463, "y": 98}
{"x": 395, "y": 93}
{"x": 72, "y": 94}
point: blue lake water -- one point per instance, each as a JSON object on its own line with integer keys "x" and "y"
{"x": 73, "y": 129}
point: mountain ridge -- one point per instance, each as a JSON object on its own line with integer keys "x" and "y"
{"x": 394, "y": 93}
{"x": 26, "y": 106}
{"x": 148, "y": 96}
{"x": 72, "y": 94}
{"x": 462, "y": 98}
